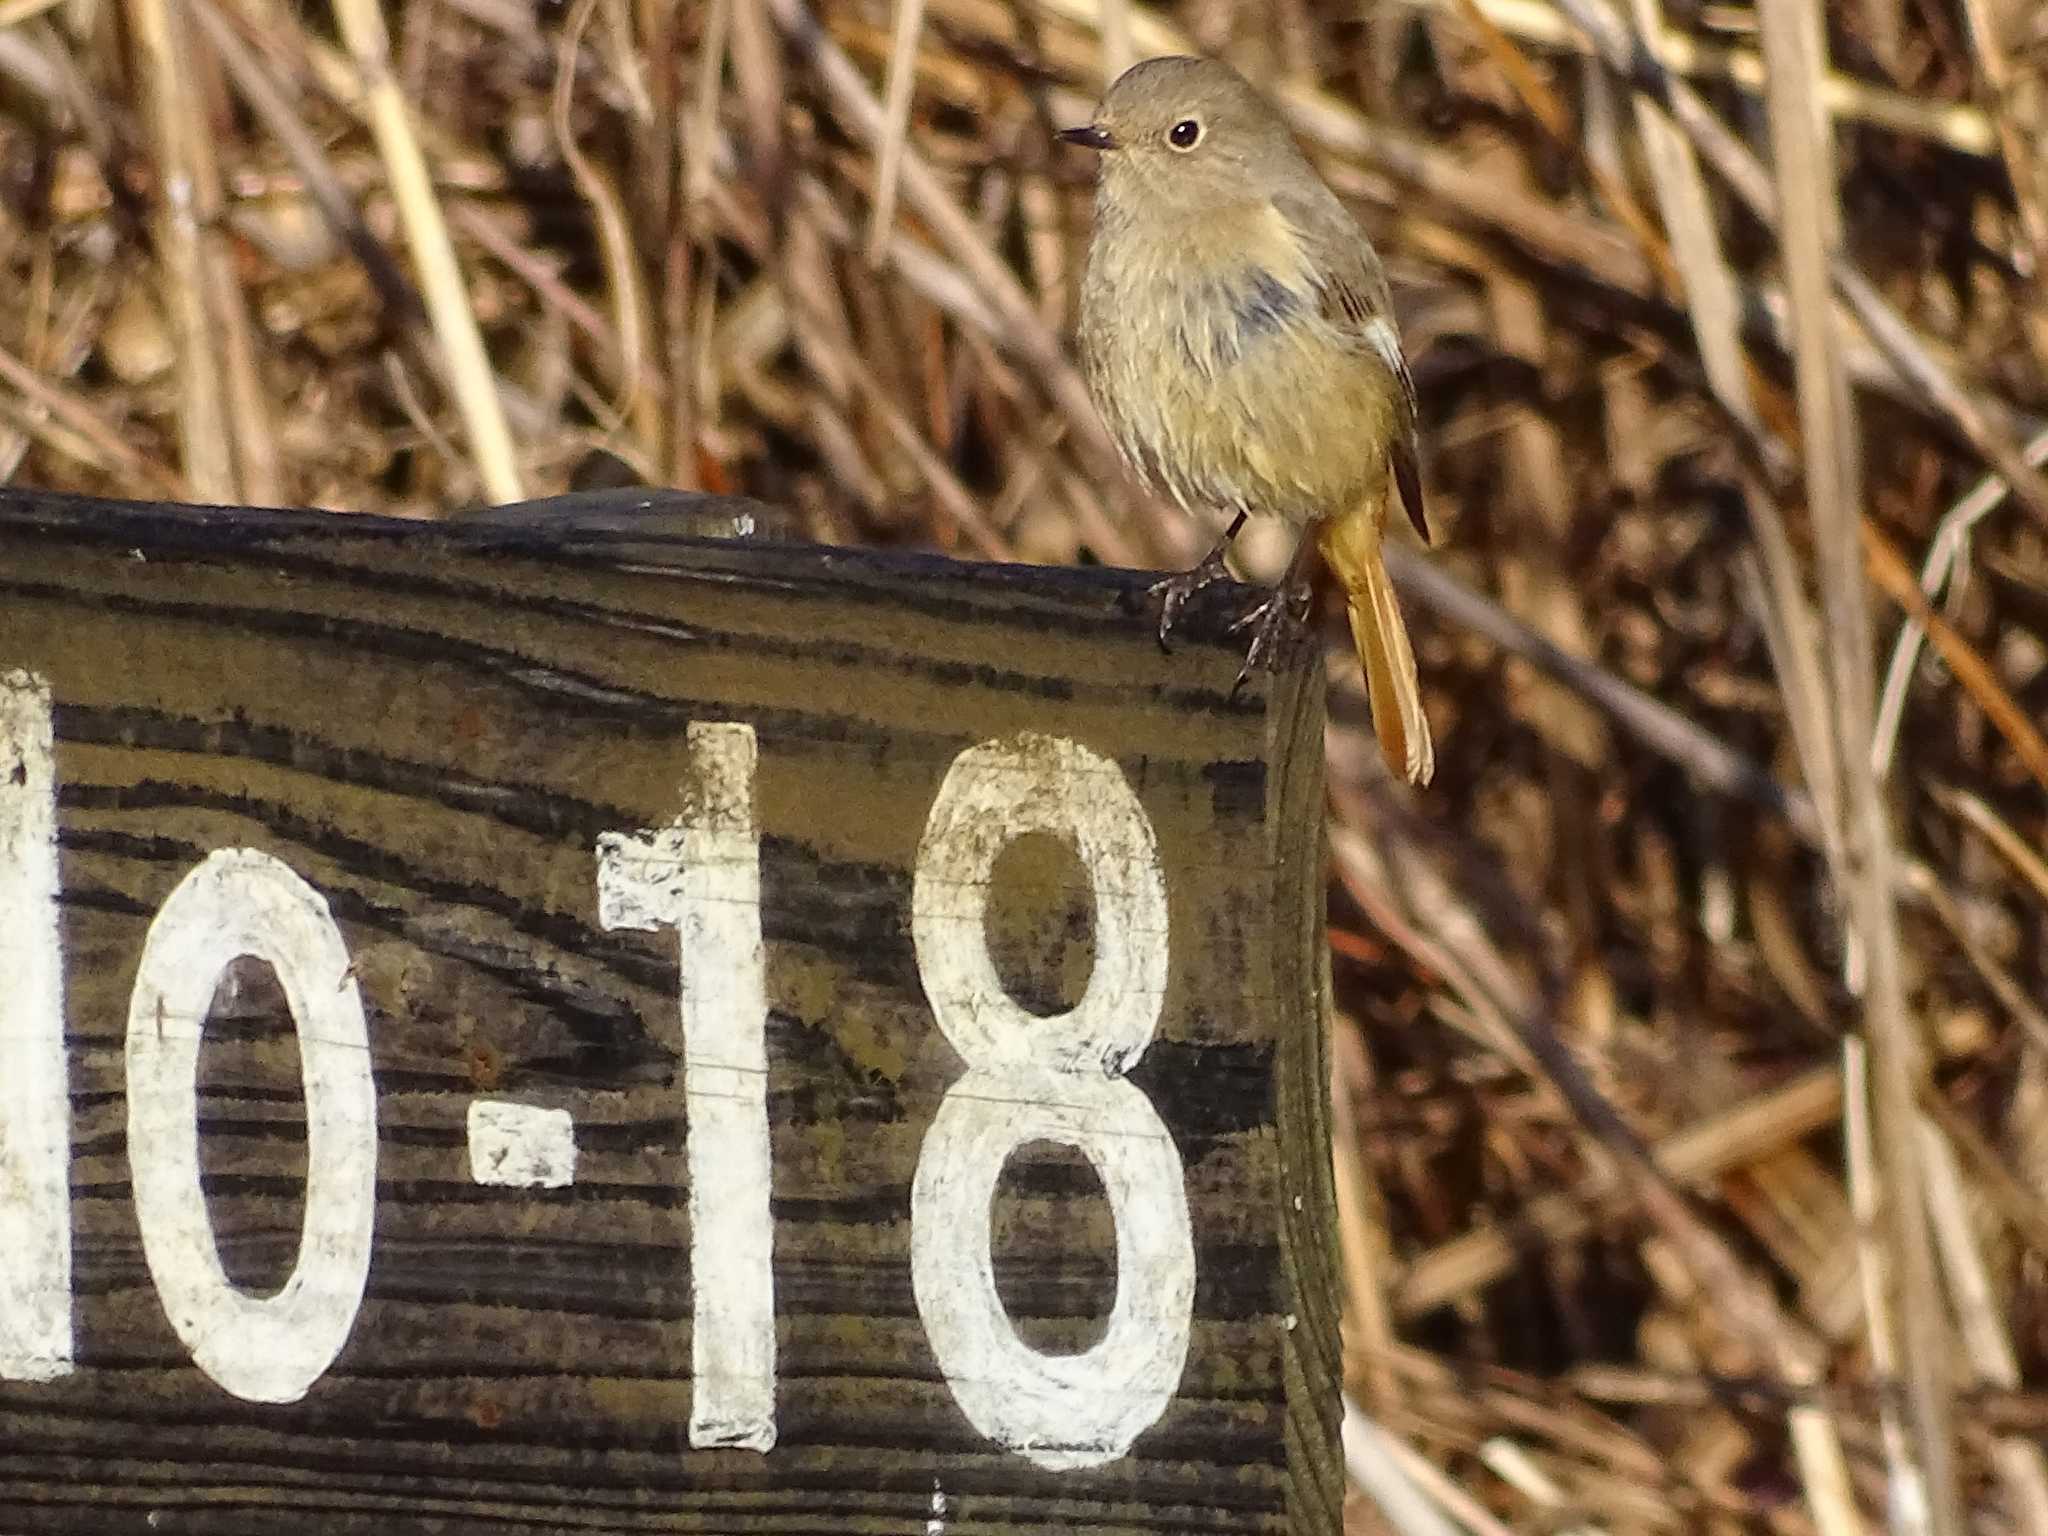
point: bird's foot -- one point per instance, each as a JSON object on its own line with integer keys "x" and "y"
{"x": 1173, "y": 593}
{"x": 1277, "y": 625}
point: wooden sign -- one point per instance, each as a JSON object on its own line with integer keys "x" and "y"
{"x": 537, "y": 1029}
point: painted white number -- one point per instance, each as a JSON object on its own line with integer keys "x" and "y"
{"x": 701, "y": 875}
{"x": 1058, "y": 1079}
{"x": 35, "y": 1111}
{"x": 241, "y": 901}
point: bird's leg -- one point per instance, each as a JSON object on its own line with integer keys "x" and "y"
{"x": 1174, "y": 592}
{"x": 1278, "y": 622}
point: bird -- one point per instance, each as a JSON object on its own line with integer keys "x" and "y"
{"x": 1238, "y": 339}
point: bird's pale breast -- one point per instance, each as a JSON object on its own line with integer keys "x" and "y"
{"x": 1223, "y": 382}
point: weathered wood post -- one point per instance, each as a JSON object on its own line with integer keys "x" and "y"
{"x": 525, "y": 1029}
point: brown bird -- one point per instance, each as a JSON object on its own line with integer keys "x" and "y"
{"x": 1239, "y": 341}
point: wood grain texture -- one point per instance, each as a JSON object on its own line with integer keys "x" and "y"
{"x": 433, "y": 725}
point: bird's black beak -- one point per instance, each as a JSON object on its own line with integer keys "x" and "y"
{"x": 1090, "y": 137}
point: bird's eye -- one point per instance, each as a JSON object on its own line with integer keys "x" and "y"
{"x": 1185, "y": 134}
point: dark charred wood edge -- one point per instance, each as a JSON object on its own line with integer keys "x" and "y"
{"x": 606, "y": 540}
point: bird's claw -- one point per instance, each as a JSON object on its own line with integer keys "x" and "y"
{"x": 1173, "y": 592}
{"x": 1276, "y": 624}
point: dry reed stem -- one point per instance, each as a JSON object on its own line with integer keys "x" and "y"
{"x": 1539, "y": 503}
{"x": 908, "y": 23}
{"x": 2021, "y": 115}
{"x": 1970, "y": 669}
{"x": 1514, "y": 1466}
{"x": 187, "y": 199}
{"x": 631, "y": 309}
{"x": 2023, "y": 1211}
{"x": 67, "y": 410}
{"x": 1877, "y": 1281}
{"x": 958, "y": 502}
{"x": 1364, "y": 1249}
{"x": 1925, "y": 1486}
{"x": 1958, "y": 126}
{"x": 1947, "y": 556}
{"x": 259, "y": 87}
{"x": 2019, "y": 1463}
{"x": 490, "y": 231}
{"x": 1713, "y": 298}
{"x": 1714, "y": 1145}
{"x": 27, "y": 424}
{"x": 1372, "y": 1459}
{"x": 43, "y": 348}
{"x": 1450, "y": 1495}
{"x": 755, "y": 46}
{"x": 361, "y": 24}
{"x": 1817, "y": 1447}
{"x": 258, "y": 460}
{"x": 1998, "y": 981}
{"x": 1772, "y": 580}
{"x": 2013, "y": 848}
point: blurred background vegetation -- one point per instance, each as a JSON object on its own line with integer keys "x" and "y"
{"x": 824, "y": 252}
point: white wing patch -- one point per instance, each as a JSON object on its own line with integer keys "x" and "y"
{"x": 1380, "y": 335}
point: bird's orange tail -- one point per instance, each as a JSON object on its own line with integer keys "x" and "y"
{"x": 1351, "y": 548}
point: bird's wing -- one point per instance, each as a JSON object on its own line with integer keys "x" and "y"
{"x": 1354, "y": 297}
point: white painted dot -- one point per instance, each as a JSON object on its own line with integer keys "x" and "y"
{"x": 521, "y": 1146}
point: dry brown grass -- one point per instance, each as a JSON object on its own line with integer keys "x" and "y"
{"x": 1618, "y": 1257}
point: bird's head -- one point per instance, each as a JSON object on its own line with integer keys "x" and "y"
{"x": 1185, "y": 136}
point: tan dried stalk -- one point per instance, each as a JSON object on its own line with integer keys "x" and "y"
{"x": 1802, "y": 143}
{"x": 361, "y": 23}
